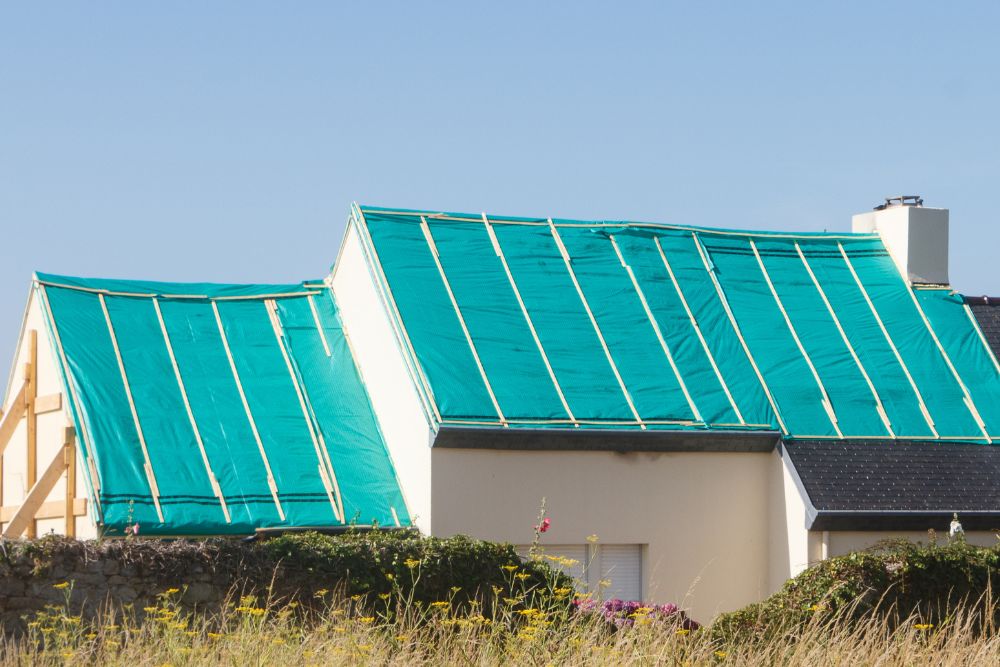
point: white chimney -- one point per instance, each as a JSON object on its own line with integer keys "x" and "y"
{"x": 915, "y": 236}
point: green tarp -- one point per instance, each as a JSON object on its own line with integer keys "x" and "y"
{"x": 816, "y": 335}
{"x": 185, "y": 357}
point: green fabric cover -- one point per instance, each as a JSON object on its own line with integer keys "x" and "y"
{"x": 698, "y": 257}
{"x": 337, "y": 407}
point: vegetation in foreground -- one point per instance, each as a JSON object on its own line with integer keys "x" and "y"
{"x": 897, "y": 604}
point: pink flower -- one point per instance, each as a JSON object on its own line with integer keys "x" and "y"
{"x": 544, "y": 526}
{"x": 132, "y": 530}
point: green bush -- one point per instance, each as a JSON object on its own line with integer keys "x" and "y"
{"x": 424, "y": 569}
{"x": 894, "y": 579}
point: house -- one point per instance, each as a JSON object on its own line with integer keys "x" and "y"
{"x": 703, "y": 411}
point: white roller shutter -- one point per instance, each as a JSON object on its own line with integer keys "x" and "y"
{"x": 622, "y": 565}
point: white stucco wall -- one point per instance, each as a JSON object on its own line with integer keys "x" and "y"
{"x": 790, "y": 547}
{"x": 703, "y": 517}
{"x": 394, "y": 398}
{"x": 49, "y": 433}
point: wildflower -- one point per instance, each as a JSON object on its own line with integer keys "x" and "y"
{"x": 544, "y": 525}
{"x": 91, "y": 635}
{"x": 383, "y": 596}
{"x": 681, "y": 632}
{"x": 367, "y": 620}
{"x": 61, "y": 585}
{"x": 562, "y": 591}
{"x": 509, "y": 568}
{"x": 720, "y": 654}
{"x": 190, "y": 633}
{"x": 522, "y": 575}
{"x": 320, "y": 593}
{"x": 441, "y": 604}
{"x": 171, "y": 591}
{"x": 455, "y": 589}
{"x": 923, "y": 627}
{"x": 390, "y": 576}
{"x": 411, "y": 563}
{"x": 356, "y": 597}
{"x": 816, "y": 608}
{"x": 402, "y": 638}
{"x": 497, "y": 590}
{"x": 592, "y": 538}
{"x": 214, "y": 635}
{"x": 511, "y": 601}
{"x": 257, "y": 611}
{"x": 277, "y": 640}
{"x": 150, "y": 610}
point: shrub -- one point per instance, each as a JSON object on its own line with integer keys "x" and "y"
{"x": 894, "y": 579}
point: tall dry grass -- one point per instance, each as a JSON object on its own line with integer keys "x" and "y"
{"x": 398, "y": 632}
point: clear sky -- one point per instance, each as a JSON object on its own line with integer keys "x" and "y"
{"x": 224, "y": 141}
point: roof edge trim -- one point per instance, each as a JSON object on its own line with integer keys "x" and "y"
{"x": 610, "y": 440}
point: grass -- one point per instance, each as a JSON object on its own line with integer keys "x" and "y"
{"x": 397, "y": 631}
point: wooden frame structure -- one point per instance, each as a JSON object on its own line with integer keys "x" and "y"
{"x": 21, "y": 520}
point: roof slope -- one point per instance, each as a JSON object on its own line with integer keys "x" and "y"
{"x": 218, "y": 409}
{"x": 563, "y": 323}
{"x": 901, "y": 485}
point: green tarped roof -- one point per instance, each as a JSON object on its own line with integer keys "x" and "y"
{"x": 576, "y": 324}
{"x": 218, "y": 409}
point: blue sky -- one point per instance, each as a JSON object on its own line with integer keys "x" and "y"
{"x": 225, "y": 141}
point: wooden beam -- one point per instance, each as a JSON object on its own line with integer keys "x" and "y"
{"x": 25, "y": 514}
{"x": 48, "y": 403}
{"x": 31, "y": 383}
{"x": 70, "y": 454}
{"x": 10, "y": 420}
{"x": 53, "y": 510}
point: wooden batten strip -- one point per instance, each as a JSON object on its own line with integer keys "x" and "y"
{"x": 212, "y": 480}
{"x": 656, "y": 329}
{"x": 150, "y": 473}
{"x": 25, "y": 514}
{"x": 55, "y": 509}
{"x": 593, "y": 321}
{"x": 12, "y": 418}
{"x": 461, "y": 319}
{"x": 272, "y": 485}
{"x": 31, "y": 419}
{"x": 826, "y": 402}
{"x": 527, "y": 318}
{"x": 326, "y": 473}
{"x": 879, "y": 407}
{"x": 885, "y": 332}
{"x": 48, "y": 403}
{"x": 698, "y": 331}
{"x": 703, "y": 254}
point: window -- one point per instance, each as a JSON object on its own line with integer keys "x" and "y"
{"x": 621, "y": 564}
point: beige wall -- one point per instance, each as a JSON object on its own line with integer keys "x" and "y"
{"x": 703, "y": 516}
{"x": 842, "y": 542}
{"x": 49, "y": 430}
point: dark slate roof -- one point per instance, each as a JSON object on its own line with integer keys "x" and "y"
{"x": 897, "y": 485}
{"x": 987, "y": 312}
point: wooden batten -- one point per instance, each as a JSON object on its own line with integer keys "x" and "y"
{"x": 51, "y": 510}
{"x": 69, "y": 455}
{"x": 24, "y": 516}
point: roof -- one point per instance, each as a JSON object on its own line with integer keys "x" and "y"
{"x": 897, "y": 485}
{"x": 552, "y": 323}
{"x": 987, "y": 312}
{"x": 218, "y": 409}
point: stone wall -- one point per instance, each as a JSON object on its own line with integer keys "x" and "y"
{"x": 118, "y": 573}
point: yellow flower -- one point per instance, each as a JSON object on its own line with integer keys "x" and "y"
{"x": 522, "y": 575}
{"x": 511, "y": 600}
{"x": 383, "y": 596}
{"x": 214, "y": 635}
{"x": 562, "y": 591}
{"x": 366, "y": 620}
{"x": 681, "y": 632}
{"x": 923, "y": 627}
{"x": 720, "y": 654}
{"x": 441, "y": 604}
{"x": 190, "y": 633}
{"x": 61, "y": 585}
{"x": 171, "y": 591}
{"x": 592, "y": 538}
{"x": 149, "y": 610}
{"x": 320, "y": 593}
{"x": 257, "y": 611}
{"x": 356, "y": 597}
{"x": 411, "y": 563}
{"x": 402, "y": 638}
{"x": 390, "y": 576}
{"x": 497, "y": 590}
{"x": 91, "y": 635}
{"x": 277, "y": 641}
{"x": 509, "y": 568}
{"x": 455, "y": 589}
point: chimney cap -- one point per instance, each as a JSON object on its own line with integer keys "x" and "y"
{"x": 901, "y": 200}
